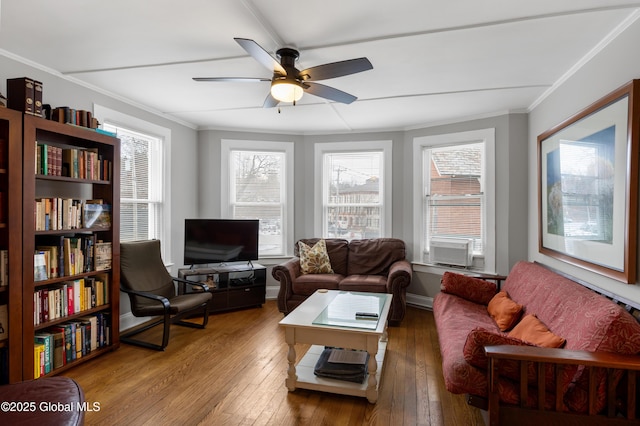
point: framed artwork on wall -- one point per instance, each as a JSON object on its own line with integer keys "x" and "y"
{"x": 588, "y": 186}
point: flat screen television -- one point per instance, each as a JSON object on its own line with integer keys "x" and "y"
{"x": 220, "y": 240}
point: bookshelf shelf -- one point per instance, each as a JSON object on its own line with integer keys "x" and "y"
{"x": 56, "y": 149}
{"x": 72, "y": 317}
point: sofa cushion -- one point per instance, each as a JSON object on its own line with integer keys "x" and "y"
{"x": 368, "y": 283}
{"x": 374, "y": 256}
{"x": 504, "y": 311}
{"x": 307, "y": 284}
{"x": 337, "y": 249}
{"x": 453, "y": 328}
{"x": 472, "y": 289}
{"x": 314, "y": 259}
{"x": 532, "y": 330}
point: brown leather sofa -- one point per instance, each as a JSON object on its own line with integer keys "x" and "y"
{"x": 46, "y": 401}
{"x": 371, "y": 265}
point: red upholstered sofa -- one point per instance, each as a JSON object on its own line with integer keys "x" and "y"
{"x": 375, "y": 265}
{"x": 588, "y": 377}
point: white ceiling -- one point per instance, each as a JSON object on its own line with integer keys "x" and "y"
{"x": 434, "y": 61}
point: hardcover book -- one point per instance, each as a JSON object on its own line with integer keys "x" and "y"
{"x": 102, "y": 256}
{"x": 20, "y": 94}
{"x": 39, "y": 267}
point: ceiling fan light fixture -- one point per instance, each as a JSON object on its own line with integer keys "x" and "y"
{"x": 286, "y": 91}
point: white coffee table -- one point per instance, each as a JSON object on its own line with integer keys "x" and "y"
{"x": 337, "y": 328}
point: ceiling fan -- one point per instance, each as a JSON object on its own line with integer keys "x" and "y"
{"x": 288, "y": 83}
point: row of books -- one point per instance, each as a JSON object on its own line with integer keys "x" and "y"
{"x": 77, "y": 117}
{"x": 71, "y": 162}
{"x": 55, "y": 214}
{"x": 62, "y": 256}
{"x": 59, "y": 345}
{"x": 70, "y": 298}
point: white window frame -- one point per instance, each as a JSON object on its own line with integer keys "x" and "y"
{"x": 421, "y": 177}
{"x": 119, "y": 119}
{"x": 321, "y": 184}
{"x": 229, "y": 145}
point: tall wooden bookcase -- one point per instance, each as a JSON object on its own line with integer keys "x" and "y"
{"x": 11, "y": 241}
{"x": 36, "y": 185}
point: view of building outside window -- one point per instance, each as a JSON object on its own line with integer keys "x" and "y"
{"x": 140, "y": 185}
{"x": 353, "y": 194}
{"x": 257, "y": 192}
{"x": 454, "y": 200}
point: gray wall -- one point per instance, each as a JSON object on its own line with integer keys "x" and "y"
{"x": 511, "y": 186}
{"x": 617, "y": 64}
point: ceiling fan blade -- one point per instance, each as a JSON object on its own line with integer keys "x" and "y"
{"x": 232, "y": 79}
{"x": 261, "y": 55}
{"x": 327, "y": 92}
{"x": 270, "y": 101}
{"x": 336, "y": 69}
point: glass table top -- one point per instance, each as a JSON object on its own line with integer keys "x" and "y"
{"x": 341, "y": 311}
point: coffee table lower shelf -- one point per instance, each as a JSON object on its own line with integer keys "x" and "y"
{"x": 308, "y": 380}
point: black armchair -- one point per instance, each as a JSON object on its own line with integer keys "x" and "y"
{"x": 152, "y": 292}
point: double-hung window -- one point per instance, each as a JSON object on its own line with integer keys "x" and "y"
{"x": 353, "y": 189}
{"x": 454, "y": 187}
{"x": 144, "y": 173}
{"x": 258, "y": 184}
{"x": 140, "y": 184}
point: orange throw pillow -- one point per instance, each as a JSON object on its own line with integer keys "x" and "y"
{"x": 532, "y": 330}
{"x": 504, "y": 311}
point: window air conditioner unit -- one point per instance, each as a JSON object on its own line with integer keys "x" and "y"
{"x": 451, "y": 251}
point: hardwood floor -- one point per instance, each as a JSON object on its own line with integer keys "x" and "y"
{"x": 233, "y": 373}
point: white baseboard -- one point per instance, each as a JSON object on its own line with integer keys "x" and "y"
{"x": 420, "y": 301}
{"x": 127, "y": 320}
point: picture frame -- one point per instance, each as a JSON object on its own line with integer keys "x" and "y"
{"x": 588, "y": 186}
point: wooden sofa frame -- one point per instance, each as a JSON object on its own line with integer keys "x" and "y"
{"x": 616, "y": 412}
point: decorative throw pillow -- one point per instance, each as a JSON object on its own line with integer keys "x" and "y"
{"x": 504, "y": 311}
{"x": 314, "y": 260}
{"x": 478, "y": 338}
{"x": 532, "y": 330}
{"x": 474, "y": 354}
{"x": 469, "y": 288}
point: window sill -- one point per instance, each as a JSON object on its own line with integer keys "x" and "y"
{"x": 441, "y": 269}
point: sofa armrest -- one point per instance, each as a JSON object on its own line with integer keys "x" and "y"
{"x": 597, "y": 364}
{"x": 285, "y": 273}
{"x": 399, "y": 276}
{"x": 398, "y": 280}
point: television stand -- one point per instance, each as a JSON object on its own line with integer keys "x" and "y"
{"x": 233, "y": 286}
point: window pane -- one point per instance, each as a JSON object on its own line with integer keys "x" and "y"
{"x": 134, "y": 221}
{"x": 455, "y": 199}
{"x": 258, "y": 193}
{"x": 140, "y": 185}
{"x": 353, "y": 194}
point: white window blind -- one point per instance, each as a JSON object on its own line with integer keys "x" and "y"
{"x": 140, "y": 184}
